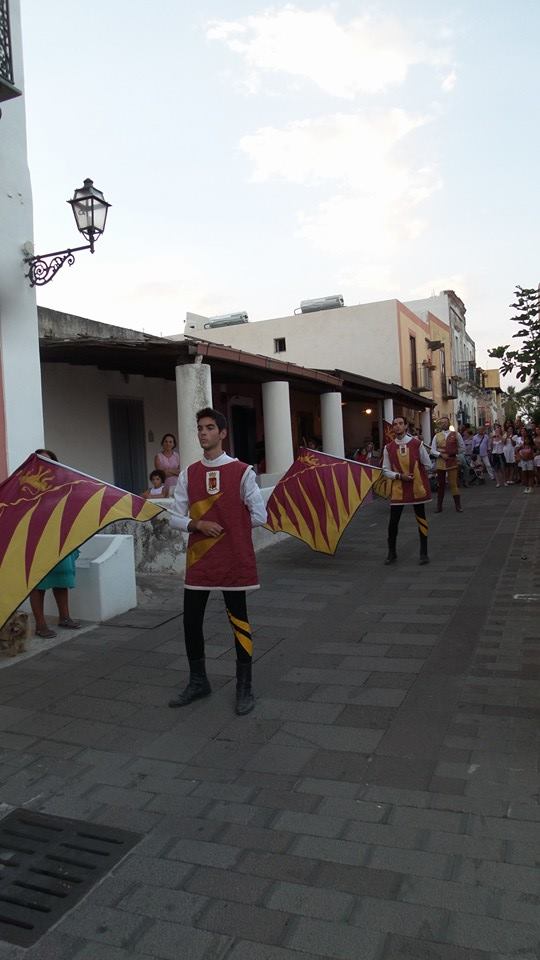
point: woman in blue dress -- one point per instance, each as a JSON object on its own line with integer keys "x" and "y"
{"x": 60, "y": 580}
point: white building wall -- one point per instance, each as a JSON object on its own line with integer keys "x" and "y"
{"x": 75, "y": 401}
{"x": 362, "y": 339}
{"x": 19, "y": 348}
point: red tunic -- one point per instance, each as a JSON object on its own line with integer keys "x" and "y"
{"x": 226, "y": 562}
{"x": 448, "y": 445}
{"x": 405, "y": 458}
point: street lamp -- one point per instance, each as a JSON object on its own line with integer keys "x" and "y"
{"x": 90, "y": 211}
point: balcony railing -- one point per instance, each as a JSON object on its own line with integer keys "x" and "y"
{"x": 449, "y": 388}
{"x": 424, "y": 378}
{"x": 7, "y": 88}
{"x": 466, "y": 370}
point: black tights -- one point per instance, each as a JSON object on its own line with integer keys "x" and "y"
{"x": 235, "y": 603}
{"x": 395, "y": 516}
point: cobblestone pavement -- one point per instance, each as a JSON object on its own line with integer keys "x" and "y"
{"x": 381, "y": 803}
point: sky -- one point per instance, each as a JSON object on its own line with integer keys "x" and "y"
{"x": 257, "y": 155}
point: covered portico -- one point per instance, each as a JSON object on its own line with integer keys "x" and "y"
{"x": 271, "y": 406}
{"x": 110, "y": 393}
{"x": 368, "y": 403}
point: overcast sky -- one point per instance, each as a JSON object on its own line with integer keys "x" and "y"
{"x": 256, "y": 155}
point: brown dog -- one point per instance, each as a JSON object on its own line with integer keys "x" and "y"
{"x": 14, "y": 633}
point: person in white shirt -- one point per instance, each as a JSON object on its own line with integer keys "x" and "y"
{"x": 497, "y": 442}
{"x": 406, "y": 463}
{"x": 445, "y": 446}
{"x": 481, "y": 446}
{"x": 217, "y": 501}
{"x": 509, "y": 454}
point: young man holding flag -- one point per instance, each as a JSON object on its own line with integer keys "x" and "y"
{"x": 406, "y": 462}
{"x": 217, "y": 501}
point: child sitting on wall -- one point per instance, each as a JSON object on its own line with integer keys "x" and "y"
{"x": 157, "y": 480}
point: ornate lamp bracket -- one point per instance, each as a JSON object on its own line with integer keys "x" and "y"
{"x": 43, "y": 268}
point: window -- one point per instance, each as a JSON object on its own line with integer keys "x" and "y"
{"x": 280, "y": 345}
{"x": 414, "y": 371}
{"x": 443, "y": 364}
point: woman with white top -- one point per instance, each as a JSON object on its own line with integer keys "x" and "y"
{"x": 497, "y": 453}
{"x": 517, "y": 441}
{"x": 509, "y": 455}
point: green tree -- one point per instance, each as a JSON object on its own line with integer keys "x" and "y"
{"x": 524, "y": 361}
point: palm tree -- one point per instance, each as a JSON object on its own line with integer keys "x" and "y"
{"x": 511, "y": 404}
{"x": 525, "y": 401}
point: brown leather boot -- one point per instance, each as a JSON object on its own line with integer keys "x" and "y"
{"x": 457, "y": 501}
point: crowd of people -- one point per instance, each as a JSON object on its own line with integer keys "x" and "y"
{"x": 508, "y": 454}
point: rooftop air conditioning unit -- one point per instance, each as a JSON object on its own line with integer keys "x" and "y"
{"x": 321, "y": 303}
{"x": 227, "y": 320}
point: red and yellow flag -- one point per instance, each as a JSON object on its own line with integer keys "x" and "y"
{"x": 388, "y": 431}
{"x": 318, "y": 497}
{"x": 46, "y": 511}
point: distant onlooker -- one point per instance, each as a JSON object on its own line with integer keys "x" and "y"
{"x": 60, "y": 580}
{"x": 481, "y": 450}
{"x": 536, "y": 444}
{"x": 360, "y": 455}
{"x": 525, "y": 454}
{"x": 497, "y": 443}
{"x": 509, "y": 453}
{"x": 464, "y": 457}
{"x": 168, "y": 461}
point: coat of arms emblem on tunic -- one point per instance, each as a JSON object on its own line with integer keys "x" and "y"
{"x": 212, "y": 481}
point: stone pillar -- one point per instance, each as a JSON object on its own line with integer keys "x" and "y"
{"x": 380, "y": 421}
{"x": 278, "y": 443}
{"x": 193, "y": 391}
{"x": 426, "y": 425}
{"x": 388, "y": 412}
{"x": 332, "y": 424}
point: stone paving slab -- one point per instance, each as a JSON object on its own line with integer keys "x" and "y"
{"x": 382, "y": 801}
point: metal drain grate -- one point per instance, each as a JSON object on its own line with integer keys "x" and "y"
{"x": 47, "y": 864}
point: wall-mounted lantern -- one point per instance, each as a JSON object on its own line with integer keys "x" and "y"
{"x": 90, "y": 211}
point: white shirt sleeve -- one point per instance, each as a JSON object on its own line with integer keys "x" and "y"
{"x": 180, "y": 513}
{"x": 387, "y": 469}
{"x": 460, "y": 443}
{"x": 425, "y": 458}
{"x": 252, "y": 497}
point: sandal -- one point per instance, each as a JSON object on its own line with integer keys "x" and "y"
{"x": 45, "y": 633}
{"x": 69, "y": 624}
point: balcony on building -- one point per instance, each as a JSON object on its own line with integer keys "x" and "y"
{"x": 8, "y": 90}
{"x": 424, "y": 378}
{"x": 449, "y": 388}
{"x": 466, "y": 370}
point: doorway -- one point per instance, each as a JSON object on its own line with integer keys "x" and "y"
{"x": 244, "y": 432}
{"x": 126, "y": 419}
